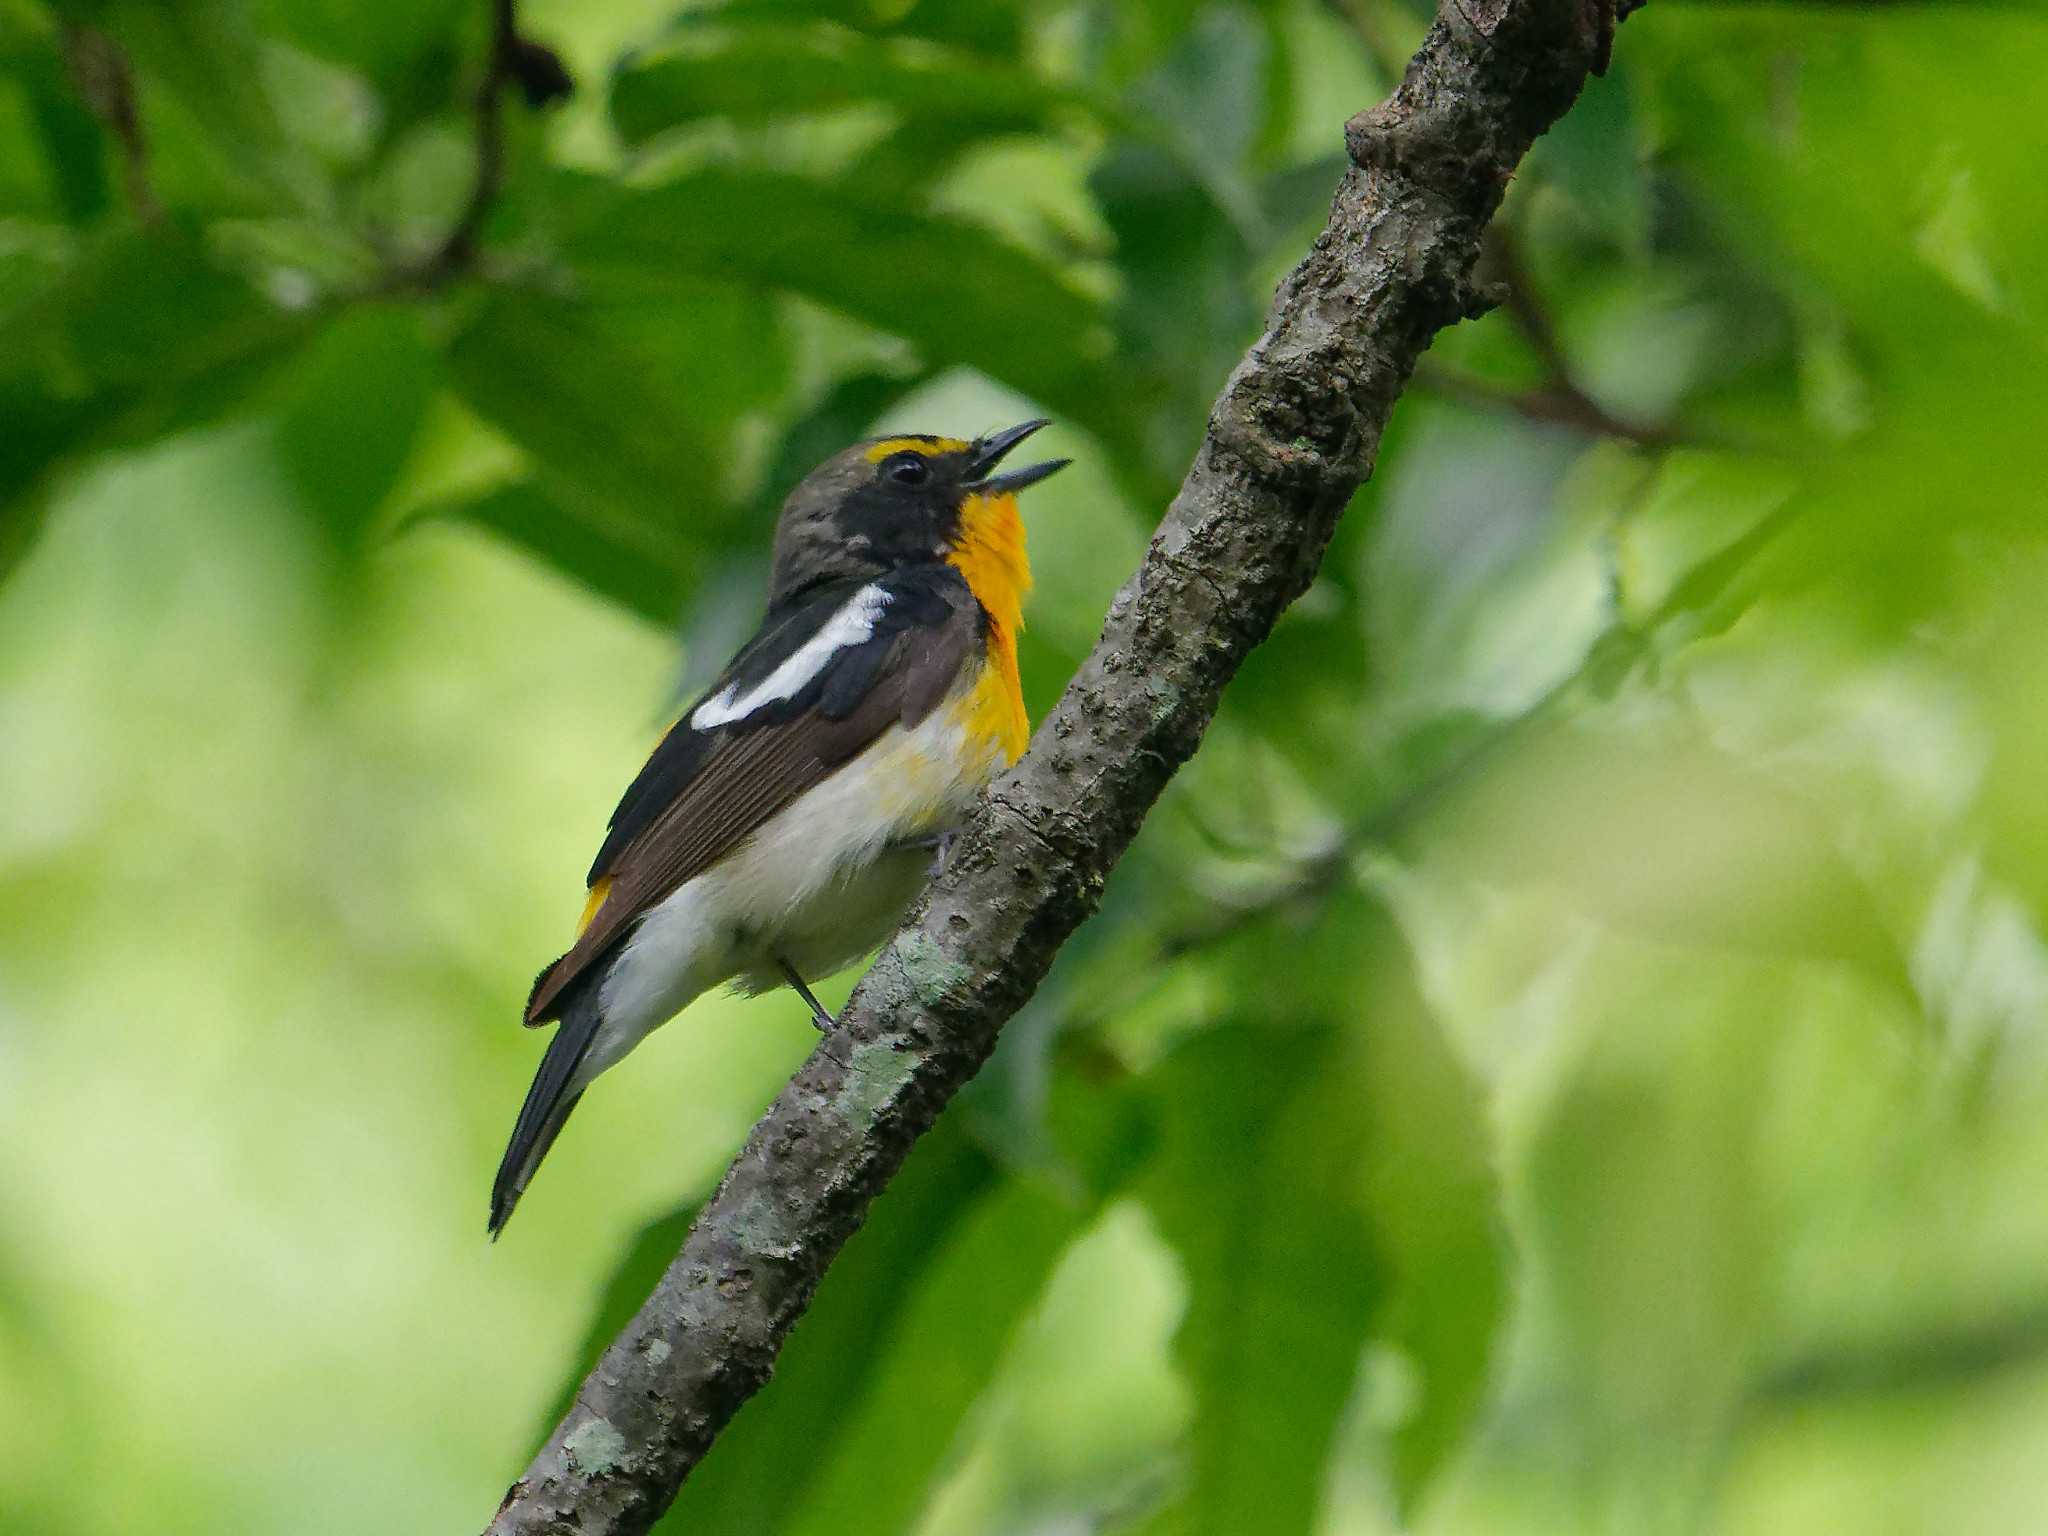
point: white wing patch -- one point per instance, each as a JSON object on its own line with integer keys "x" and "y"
{"x": 852, "y": 624}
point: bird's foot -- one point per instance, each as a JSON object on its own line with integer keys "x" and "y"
{"x": 820, "y": 1015}
{"x": 938, "y": 844}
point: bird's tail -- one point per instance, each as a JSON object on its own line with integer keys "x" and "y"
{"x": 548, "y": 1102}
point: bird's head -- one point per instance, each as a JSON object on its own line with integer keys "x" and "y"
{"x": 908, "y": 499}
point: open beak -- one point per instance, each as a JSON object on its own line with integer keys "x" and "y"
{"x": 988, "y": 453}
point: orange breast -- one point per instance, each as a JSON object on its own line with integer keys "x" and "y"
{"x": 990, "y": 553}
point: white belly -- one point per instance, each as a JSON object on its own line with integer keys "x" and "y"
{"x": 819, "y": 884}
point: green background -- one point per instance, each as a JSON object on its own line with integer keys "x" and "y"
{"x": 1571, "y": 1053}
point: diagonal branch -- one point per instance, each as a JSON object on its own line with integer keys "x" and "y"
{"x": 1291, "y": 438}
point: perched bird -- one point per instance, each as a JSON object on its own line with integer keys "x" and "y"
{"x": 787, "y": 820}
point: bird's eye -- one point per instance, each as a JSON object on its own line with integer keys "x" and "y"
{"x": 907, "y": 468}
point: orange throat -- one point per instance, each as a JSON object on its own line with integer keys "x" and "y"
{"x": 990, "y": 553}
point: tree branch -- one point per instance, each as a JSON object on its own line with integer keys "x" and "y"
{"x": 1292, "y": 436}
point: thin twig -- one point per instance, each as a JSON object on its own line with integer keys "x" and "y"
{"x": 99, "y": 68}
{"x": 1942, "y": 1359}
{"x": 1523, "y": 305}
{"x": 1561, "y": 399}
{"x": 457, "y": 251}
{"x": 542, "y": 79}
{"x": 1612, "y": 656}
{"x": 1315, "y": 877}
{"x": 1552, "y": 405}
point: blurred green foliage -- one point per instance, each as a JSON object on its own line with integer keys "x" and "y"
{"x": 1570, "y": 1055}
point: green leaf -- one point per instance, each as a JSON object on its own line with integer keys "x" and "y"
{"x": 633, "y": 566}
{"x": 903, "y": 1338}
{"x": 905, "y": 1333}
{"x": 140, "y": 335}
{"x": 987, "y": 26}
{"x": 1591, "y": 155}
{"x": 1254, "y": 1187}
{"x": 384, "y": 39}
{"x": 352, "y": 413}
{"x": 1661, "y": 832}
{"x": 766, "y": 1458}
{"x": 137, "y": 312}
{"x": 1297, "y": 200}
{"x": 1925, "y": 265}
{"x": 960, "y": 294}
{"x": 39, "y": 433}
{"x": 1332, "y": 1194}
{"x": 1434, "y": 1203}
{"x": 1647, "y": 1213}
{"x": 214, "y": 130}
{"x": 955, "y": 1332}
{"x": 904, "y": 164}
{"x": 757, "y": 70}
{"x": 58, "y": 153}
{"x": 1184, "y": 308}
{"x": 1157, "y": 211}
{"x": 630, "y": 403}
{"x": 1208, "y": 96}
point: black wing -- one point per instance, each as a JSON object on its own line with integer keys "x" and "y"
{"x": 705, "y": 790}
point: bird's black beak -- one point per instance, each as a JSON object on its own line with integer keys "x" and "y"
{"x": 989, "y": 451}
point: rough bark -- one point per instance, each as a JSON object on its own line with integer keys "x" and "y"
{"x": 1292, "y": 436}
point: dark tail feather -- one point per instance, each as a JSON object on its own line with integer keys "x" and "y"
{"x": 548, "y": 1103}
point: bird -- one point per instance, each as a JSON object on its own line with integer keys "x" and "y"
{"x": 788, "y": 818}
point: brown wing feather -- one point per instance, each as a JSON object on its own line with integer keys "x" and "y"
{"x": 748, "y": 776}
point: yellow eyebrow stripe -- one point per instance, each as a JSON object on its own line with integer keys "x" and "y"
{"x": 889, "y": 445}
